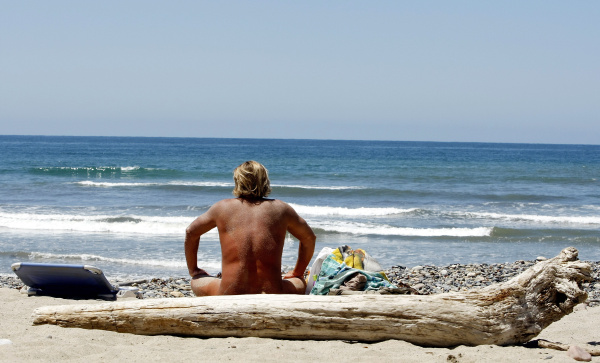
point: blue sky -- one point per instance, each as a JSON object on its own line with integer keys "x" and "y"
{"x": 509, "y": 71}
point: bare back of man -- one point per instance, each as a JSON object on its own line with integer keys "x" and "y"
{"x": 252, "y": 234}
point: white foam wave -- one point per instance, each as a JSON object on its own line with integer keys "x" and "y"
{"x": 97, "y": 168}
{"x": 132, "y": 168}
{"x": 342, "y": 211}
{"x": 88, "y": 258}
{"x": 539, "y": 218}
{"x": 318, "y": 187}
{"x": 96, "y": 258}
{"x": 155, "y": 225}
{"x": 97, "y": 223}
{"x": 168, "y": 225}
{"x": 89, "y": 183}
{"x": 383, "y": 230}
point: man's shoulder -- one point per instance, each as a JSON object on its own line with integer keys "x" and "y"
{"x": 237, "y": 202}
{"x": 227, "y": 204}
{"x": 279, "y": 203}
{"x": 223, "y": 204}
{"x": 226, "y": 201}
{"x": 283, "y": 206}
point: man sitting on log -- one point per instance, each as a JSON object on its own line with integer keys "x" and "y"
{"x": 252, "y": 231}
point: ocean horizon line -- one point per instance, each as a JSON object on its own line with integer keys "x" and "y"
{"x": 304, "y": 139}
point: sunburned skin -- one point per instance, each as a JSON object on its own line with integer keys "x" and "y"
{"x": 252, "y": 234}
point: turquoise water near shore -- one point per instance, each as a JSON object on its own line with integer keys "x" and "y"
{"x": 122, "y": 204}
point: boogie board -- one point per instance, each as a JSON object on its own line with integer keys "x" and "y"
{"x": 66, "y": 281}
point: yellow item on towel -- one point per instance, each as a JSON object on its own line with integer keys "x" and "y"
{"x": 353, "y": 258}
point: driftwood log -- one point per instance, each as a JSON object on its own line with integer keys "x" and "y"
{"x": 512, "y": 312}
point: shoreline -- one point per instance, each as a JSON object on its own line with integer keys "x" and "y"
{"x": 426, "y": 280}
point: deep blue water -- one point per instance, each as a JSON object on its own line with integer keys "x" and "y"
{"x": 122, "y": 204}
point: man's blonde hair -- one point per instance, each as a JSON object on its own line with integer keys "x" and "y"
{"x": 251, "y": 180}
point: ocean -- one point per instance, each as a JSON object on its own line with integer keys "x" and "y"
{"x": 122, "y": 203}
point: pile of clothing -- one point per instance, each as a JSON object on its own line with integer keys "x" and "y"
{"x": 344, "y": 271}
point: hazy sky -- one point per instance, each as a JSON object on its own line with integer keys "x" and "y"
{"x": 504, "y": 71}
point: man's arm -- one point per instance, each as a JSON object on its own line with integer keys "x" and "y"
{"x": 305, "y": 235}
{"x": 198, "y": 227}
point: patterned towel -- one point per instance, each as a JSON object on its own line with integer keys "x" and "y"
{"x": 335, "y": 270}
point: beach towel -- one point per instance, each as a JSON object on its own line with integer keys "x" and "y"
{"x": 343, "y": 264}
{"x": 315, "y": 269}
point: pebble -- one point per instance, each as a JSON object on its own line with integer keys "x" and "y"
{"x": 579, "y": 354}
{"x": 425, "y": 279}
{"x": 149, "y": 289}
{"x": 429, "y": 279}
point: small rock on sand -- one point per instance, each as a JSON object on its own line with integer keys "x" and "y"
{"x": 579, "y": 354}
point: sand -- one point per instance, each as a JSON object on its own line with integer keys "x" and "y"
{"x": 53, "y": 344}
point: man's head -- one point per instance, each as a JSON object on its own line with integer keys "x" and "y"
{"x": 251, "y": 180}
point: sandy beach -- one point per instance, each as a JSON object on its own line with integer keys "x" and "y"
{"x": 51, "y": 343}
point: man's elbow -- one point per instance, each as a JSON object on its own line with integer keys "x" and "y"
{"x": 190, "y": 234}
{"x": 310, "y": 239}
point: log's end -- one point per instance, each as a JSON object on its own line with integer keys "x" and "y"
{"x": 563, "y": 277}
{"x": 569, "y": 276}
{"x": 543, "y": 294}
{"x": 568, "y": 254}
{"x": 559, "y": 287}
